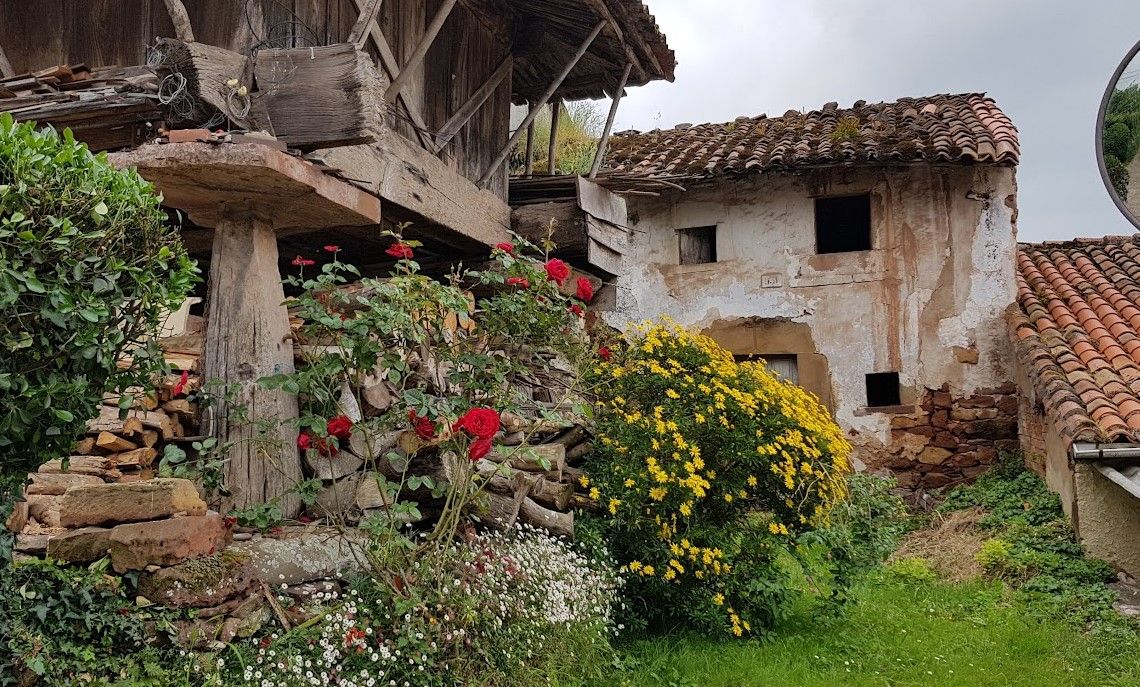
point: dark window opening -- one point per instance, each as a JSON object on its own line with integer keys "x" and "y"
{"x": 883, "y": 389}
{"x": 697, "y": 245}
{"x": 782, "y": 365}
{"x": 843, "y": 224}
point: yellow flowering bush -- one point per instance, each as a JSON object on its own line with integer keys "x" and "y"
{"x": 706, "y": 472}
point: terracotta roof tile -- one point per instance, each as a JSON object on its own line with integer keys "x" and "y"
{"x": 967, "y": 128}
{"x": 1076, "y": 332}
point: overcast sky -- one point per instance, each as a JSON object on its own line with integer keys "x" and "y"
{"x": 1046, "y": 62}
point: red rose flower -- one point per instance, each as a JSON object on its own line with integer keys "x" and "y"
{"x": 331, "y": 248}
{"x": 423, "y": 426}
{"x": 340, "y": 427}
{"x": 400, "y": 251}
{"x": 478, "y": 449}
{"x": 506, "y": 248}
{"x": 577, "y": 310}
{"x": 323, "y": 447}
{"x": 604, "y": 353}
{"x": 521, "y": 282}
{"x": 304, "y": 441}
{"x": 303, "y": 262}
{"x": 556, "y": 271}
{"x": 479, "y": 422}
{"x": 585, "y": 291}
{"x": 181, "y": 385}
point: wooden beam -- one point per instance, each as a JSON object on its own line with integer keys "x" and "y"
{"x": 528, "y": 169}
{"x": 603, "y": 11}
{"x": 388, "y": 61}
{"x": 600, "y": 154}
{"x": 5, "y": 66}
{"x": 178, "y": 15}
{"x": 417, "y": 56}
{"x": 552, "y": 148}
{"x": 550, "y": 91}
{"x": 358, "y": 36}
{"x": 469, "y": 108}
{"x": 635, "y": 36}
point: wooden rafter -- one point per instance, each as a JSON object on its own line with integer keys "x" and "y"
{"x": 603, "y": 10}
{"x": 358, "y": 36}
{"x": 417, "y": 56}
{"x": 600, "y": 154}
{"x": 181, "y": 19}
{"x": 550, "y": 91}
{"x": 634, "y": 36}
{"x": 552, "y": 148}
{"x": 469, "y": 108}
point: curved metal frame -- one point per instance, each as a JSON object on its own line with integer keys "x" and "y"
{"x": 1120, "y": 203}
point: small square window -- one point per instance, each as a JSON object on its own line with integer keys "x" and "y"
{"x": 883, "y": 389}
{"x": 843, "y": 224}
{"x": 697, "y": 245}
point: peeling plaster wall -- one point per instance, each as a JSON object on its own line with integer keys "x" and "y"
{"x": 931, "y": 293}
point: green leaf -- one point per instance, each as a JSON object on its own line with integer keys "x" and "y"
{"x": 100, "y": 208}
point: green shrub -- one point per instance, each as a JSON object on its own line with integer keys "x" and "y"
{"x": 88, "y": 266}
{"x": 912, "y": 569}
{"x": 707, "y": 471}
{"x": 1009, "y": 493}
{"x": 866, "y": 528}
{"x": 1119, "y": 141}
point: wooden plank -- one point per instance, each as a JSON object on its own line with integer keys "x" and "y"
{"x": 528, "y": 169}
{"x": 603, "y": 11}
{"x": 635, "y": 36}
{"x": 207, "y": 70}
{"x": 550, "y": 91}
{"x": 600, "y": 202}
{"x": 181, "y": 19}
{"x": 552, "y": 148}
{"x": 469, "y": 108}
{"x": 600, "y": 153}
{"x": 417, "y": 56}
{"x": 358, "y": 36}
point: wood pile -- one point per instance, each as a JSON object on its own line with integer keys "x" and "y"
{"x": 106, "y": 108}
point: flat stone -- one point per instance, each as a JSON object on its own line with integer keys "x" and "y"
{"x": 167, "y": 542}
{"x": 80, "y": 546}
{"x": 130, "y": 502}
{"x": 32, "y": 543}
{"x": 44, "y": 509}
{"x": 941, "y": 399}
{"x": 932, "y": 455}
{"x": 18, "y": 519}
{"x": 56, "y": 484}
{"x": 201, "y": 582}
{"x": 303, "y": 555}
{"x": 341, "y": 464}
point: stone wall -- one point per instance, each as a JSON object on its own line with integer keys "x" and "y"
{"x": 951, "y": 439}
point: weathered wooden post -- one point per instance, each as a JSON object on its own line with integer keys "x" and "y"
{"x": 248, "y": 193}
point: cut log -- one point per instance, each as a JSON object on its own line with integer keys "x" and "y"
{"x": 552, "y": 521}
{"x": 371, "y": 446}
{"x": 181, "y": 407}
{"x": 108, "y": 421}
{"x": 148, "y": 438}
{"x": 212, "y": 76}
{"x": 575, "y": 452}
{"x": 531, "y": 458}
{"x": 99, "y": 466}
{"x": 112, "y": 443}
{"x": 139, "y": 399}
{"x": 137, "y": 459}
{"x": 84, "y": 446}
{"x": 332, "y": 467}
{"x": 572, "y": 437}
{"x": 374, "y": 390}
{"x": 554, "y": 495}
{"x": 318, "y": 97}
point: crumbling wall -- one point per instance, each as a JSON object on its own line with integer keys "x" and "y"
{"x": 927, "y": 301}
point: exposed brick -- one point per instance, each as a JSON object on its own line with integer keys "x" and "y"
{"x": 977, "y": 402}
{"x": 932, "y": 455}
{"x": 945, "y": 440}
{"x": 940, "y": 418}
{"x": 941, "y": 399}
{"x": 1007, "y": 405}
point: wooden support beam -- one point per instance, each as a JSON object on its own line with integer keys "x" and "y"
{"x": 635, "y": 37}
{"x": 552, "y": 148}
{"x": 417, "y": 56}
{"x": 529, "y": 166}
{"x": 182, "y": 29}
{"x": 550, "y": 91}
{"x": 5, "y": 66}
{"x": 603, "y": 11}
{"x": 600, "y": 154}
{"x": 469, "y": 108}
{"x": 358, "y": 36}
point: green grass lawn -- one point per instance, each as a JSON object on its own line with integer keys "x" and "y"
{"x": 899, "y": 632}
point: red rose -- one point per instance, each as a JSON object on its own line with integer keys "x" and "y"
{"x": 340, "y": 427}
{"x": 556, "y": 271}
{"x": 181, "y": 385}
{"x": 585, "y": 290}
{"x": 323, "y": 447}
{"x": 331, "y": 248}
{"x": 521, "y": 282}
{"x": 480, "y": 422}
{"x": 478, "y": 448}
{"x": 423, "y": 426}
{"x": 304, "y": 441}
{"x": 577, "y": 310}
{"x": 604, "y": 353}
{"x": 303, "y": 262}
{"x": 506, "y": 248}
{"x": 400, "y": 251}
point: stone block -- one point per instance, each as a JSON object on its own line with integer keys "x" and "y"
{"x": 303, "y": 557}
{"x": 56, "y": 483}
{"x": 136, "y": 545}
{"x": 994, "y": 429}
{"x": 1008, "y": 444}
{"x": 977, "y": 402}
{"x": 32, "y": 543}
{"x": 201, "y": 582}
{"x": 945, "y": 440}
{"x": 44, "y": 509}
{"x": 941, "y": 399}
{"x": 964, "y": 460}
{"x": 932, "y": 455}
{"x": 940, "y": 418}
{"x": 934, "y": 480}
{"x": 987, "y": 454}
{"x": 130, "y": 502}
{"x": 80, "y": 546}
{"x": 18, "y": 518}
{"x": 1007, "y": 405}
{"x": 905, "y": 421}
{"x": 973, "y": 472}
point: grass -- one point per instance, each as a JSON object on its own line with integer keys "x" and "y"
{"x": 898, "y": 632}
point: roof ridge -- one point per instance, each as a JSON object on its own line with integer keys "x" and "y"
{"x": 1079, "y": 241}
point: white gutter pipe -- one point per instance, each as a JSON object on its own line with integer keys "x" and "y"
{"x": 1094, "y": 453}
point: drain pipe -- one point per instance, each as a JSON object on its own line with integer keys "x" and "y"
{"x": 1094, "y": 453}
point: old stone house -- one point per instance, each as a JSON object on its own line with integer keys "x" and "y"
{"x": 1076, "y": 329}
{"x": 865, "y": 253}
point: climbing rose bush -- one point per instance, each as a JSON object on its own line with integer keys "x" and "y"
{"x": 705, "y": 471}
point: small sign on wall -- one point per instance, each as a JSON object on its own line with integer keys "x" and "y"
{"x": 771, "y": 280}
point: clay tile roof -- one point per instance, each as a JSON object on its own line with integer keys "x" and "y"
{"x": 955, "y": 129}
{"x": 1076, "y": 330}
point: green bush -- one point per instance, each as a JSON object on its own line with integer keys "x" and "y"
{"x": 866, "y": 528}
{"x": 88, "y": 265}
{"x": 1119, "y": 141}
{"x": 1118, "y": 176}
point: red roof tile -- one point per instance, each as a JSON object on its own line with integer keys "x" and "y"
{"x": 1076, "y": 332}
{"x": 967, "y": 128}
